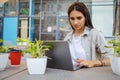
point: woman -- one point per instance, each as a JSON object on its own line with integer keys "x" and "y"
{"x": 85, "y": 42}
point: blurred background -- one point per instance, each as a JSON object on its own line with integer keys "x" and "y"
{"x": 48, "y": 19}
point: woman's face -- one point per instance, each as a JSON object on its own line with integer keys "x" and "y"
{"x": 77, "y": 20}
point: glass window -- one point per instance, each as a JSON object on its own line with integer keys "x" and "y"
{"x": 1, "y": 10}
{"x": 1, "y": 27}
{"x": 63, "y": 7}
{"x": 36, "y": 27}
{"x": 64, "y": 26}
{"x": 102, "y": 17}
{"x": 11, "y": 8}
{"x": 37, "y": 8}
{"x": 23, "y": 19}
{"x": 48, "y": 36}
{"x": 49, "y": 24}
{"x": 24, "y": 8}
{"x": 48, "y": 20}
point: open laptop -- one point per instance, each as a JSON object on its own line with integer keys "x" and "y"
{"x": 59, "y": 54}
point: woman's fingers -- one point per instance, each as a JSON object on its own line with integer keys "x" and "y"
{"x": 87, "y": 63}
{"x": 79, "y": 60}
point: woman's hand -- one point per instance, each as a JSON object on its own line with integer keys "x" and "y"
{"x": 86, "y": 63}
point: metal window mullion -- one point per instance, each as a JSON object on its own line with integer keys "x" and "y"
{"x": 40, "y": 23}
{"x": 57, "y": 21}
{"x": 30, "y": 17}
{"x": 119, "y": 15}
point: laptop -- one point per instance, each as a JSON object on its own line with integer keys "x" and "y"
{"x": 59, "y": 56}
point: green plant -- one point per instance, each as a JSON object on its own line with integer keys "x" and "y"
{"x": 36, "y": 49}
{"x": 3, "y": 49}
{"x": 20, "y": 40}
{"x": 24, "y": 11}
{"x": 116, "y": 45}
{"x": 23, "y": 40}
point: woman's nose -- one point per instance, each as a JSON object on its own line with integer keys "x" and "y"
{"x": 76, "y": 21}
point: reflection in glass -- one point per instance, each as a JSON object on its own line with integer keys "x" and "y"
{"x": 11, "y": 8}
{"x": 1, "y": 9}
{"x": 49, "y": 24}
{"x": 36, "y": 27}
{"x": 48, "y": 36}
{"x": 37, "y": 8}
{"x": 24, "y": 8}
{"x": 1, "y": 28}
{"x": 63, "y": 7}
{"x": 64, "y": 27}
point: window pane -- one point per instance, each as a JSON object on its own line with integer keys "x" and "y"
{"x": 1, "y": 27}
{"x": 11, "y": 8}
{"x": 65, "y": 27}
{"x": 48, "y": 36}
{"x": 36, "y": 27}
{"x": 102, "y": 17}
{"x": 24, "y": 8}
{"x": 36, "y": 8}
{"x": 49, "y": 24}
{"x": 1, "y": 10}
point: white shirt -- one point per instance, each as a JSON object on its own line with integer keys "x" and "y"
{"x": 92, "y": 40}
{"x": 76, "y": 50}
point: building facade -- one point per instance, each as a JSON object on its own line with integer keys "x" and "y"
{"x": 48, "y": 19}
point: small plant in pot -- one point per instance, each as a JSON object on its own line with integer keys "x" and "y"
{"x": 38, "y": 61}
{"x": 4, "y": 56}
{"x": 22, "y": 43}
{"x": 115, "y": 58}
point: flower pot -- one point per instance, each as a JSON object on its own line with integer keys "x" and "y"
{"x": 36, "y": 65}
{"x": 15, "y": 58}
{"x": 3, "y": 61}
{"x": 115, "y": 64}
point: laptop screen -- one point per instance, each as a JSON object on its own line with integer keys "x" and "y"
{"x": 59, "y": 55}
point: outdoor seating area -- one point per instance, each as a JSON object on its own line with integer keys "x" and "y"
{"x": 59, "y": 39}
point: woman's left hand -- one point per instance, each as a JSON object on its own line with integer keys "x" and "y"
{"x": 86, "y": 63}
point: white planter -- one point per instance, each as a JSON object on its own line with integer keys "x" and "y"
{"x": 115, "y": 64}
{"x": 36, "y": 65}
{"x": 4, "y": 57}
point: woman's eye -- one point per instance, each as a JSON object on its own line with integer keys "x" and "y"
{"x": 79, "y": 18}
{"x": 72, "y": 18}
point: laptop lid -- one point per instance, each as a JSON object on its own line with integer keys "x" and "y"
{"x": 59, "y": 55}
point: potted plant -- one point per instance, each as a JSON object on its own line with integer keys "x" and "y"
{"x": 38, "y": 61}
{"x": 4, "y": 56}
{"x": 115, "y": 58}
{"x": 22, "y": 43}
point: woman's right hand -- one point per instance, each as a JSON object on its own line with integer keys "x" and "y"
{"x": 86, "y": 63}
